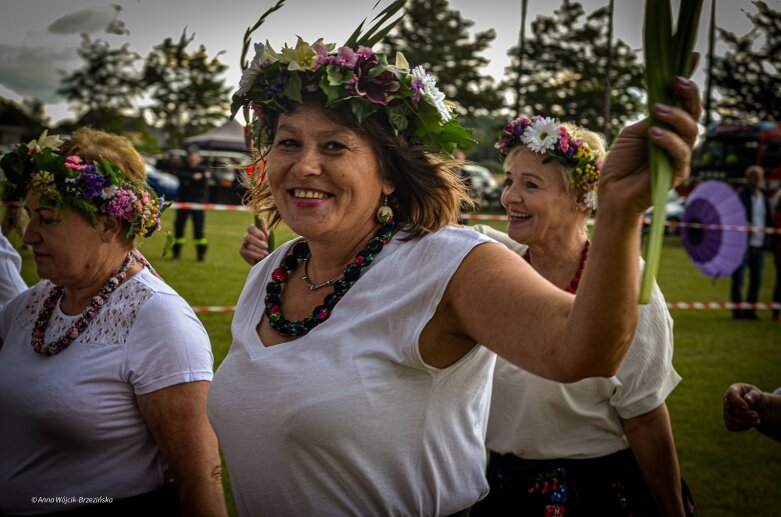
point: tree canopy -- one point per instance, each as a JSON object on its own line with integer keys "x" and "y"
{"x": 108, "y": 80}
{"x": 565, "y": 70}
{"x": 187, "y": 95}
{"x": 437, "y": 37}
{"x": 748, "y": 76}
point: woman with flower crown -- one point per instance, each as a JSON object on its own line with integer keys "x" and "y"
{"x": 104, "y": 369}
{"x": 599, "y": 446}
{"x": 355, "y": 384}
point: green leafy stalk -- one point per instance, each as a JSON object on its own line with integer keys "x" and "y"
{"x": 667, "y": 54}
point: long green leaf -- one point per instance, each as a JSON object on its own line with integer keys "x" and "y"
{"x": 376, "y": 32}
{"x": 666, "y": 54}
{"x": 250, "y": 30}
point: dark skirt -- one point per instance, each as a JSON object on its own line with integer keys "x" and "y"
{"x": 164, "y": 501}
{"x": 607, "y": 486}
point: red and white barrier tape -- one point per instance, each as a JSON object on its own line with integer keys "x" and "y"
{"x": 208, "y": 206}
{"x": 670, "y": 305}
{"x": 476, "y": 217}
{"x": 227, "y": 308}
{"x": 723, "y": 227}
{"x": 722, "y": 305}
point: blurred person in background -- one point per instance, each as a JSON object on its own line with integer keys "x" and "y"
{"x": 193, "y": 188}
{"x": 758, "y": 215}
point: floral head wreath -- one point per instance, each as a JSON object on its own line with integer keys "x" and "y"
{"x": 413, "y": 105}
{"x": 544, "y": 135}
{"x": 93, "y": 188}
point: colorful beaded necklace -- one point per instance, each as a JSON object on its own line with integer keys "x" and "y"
{"x": 350, "y": 275}
{"x": 573, "y": 285}
{"x": 87, "y": 315}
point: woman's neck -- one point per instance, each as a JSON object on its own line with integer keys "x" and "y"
{"x": 77, "y": 296}
{"x": 329, "y": 256}
{"x": 558, "y": 260}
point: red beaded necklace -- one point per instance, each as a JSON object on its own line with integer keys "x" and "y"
{"x": 573, "y": 284}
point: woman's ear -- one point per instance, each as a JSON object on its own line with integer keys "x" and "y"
{"x": 110, "y": 228}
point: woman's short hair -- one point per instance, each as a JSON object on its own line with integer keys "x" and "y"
{"x": 428, "y": 191}
{"x": 93, "y": 145}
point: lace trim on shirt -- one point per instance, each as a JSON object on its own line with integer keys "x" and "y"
{"x": 112, "y": 325}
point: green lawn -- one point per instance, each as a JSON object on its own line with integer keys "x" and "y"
{"x": 729, "y": 474}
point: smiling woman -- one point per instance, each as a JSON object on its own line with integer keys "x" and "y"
{"x": 355, "y": 384}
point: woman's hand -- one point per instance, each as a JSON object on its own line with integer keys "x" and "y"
{"x": 625, "y": 182}
{"x": 254, "y": 246}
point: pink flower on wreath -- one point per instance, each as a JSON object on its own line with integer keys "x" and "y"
{"x": 122, "y": 205}
{"x": 563, "y": 139}
{"x": 73, "y": 162}
{"x": 345, "y": 57}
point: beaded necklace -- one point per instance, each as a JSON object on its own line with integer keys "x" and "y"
{"x": 350, "y": 275}
{"x": 573, "y": 284}
{"x": 87, "y": 315}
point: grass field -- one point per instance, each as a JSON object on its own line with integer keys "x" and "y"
{"x": 729, "y": 474}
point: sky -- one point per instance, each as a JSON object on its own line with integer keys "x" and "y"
{"x": 39, "y": 38}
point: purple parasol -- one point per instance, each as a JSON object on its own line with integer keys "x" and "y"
{"x": 717, "y": 251}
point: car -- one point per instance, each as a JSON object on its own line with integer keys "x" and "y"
{"x": 485, "y": 191}
{"x": 673, "y": 213}
{"x": 164, "y": 184}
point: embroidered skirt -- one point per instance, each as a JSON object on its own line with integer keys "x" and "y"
{"x": 607, "y": 486}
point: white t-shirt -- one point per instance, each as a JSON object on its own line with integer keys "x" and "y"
{"x": 11, "y": 282}
{"x": 535, "y": 418}
{"x": 348, "y": 419}
{"x": 757, "y": 239}
{"x": 70, "y": 424}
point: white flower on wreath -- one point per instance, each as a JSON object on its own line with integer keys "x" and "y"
{"x": 542, "y": 135}
{"x": 590, "y": 199}
{"x": 44, "y": 141}
{"x": 249, "y": 75}
{"x": 430, "y": 90}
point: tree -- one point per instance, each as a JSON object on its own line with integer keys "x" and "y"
{"x": 565, "y": 70}
{"x": 747, "y": 77}
{"x": 436, "y": 37}
{"x": 187, "y": 95}
{"x": 28, "y": 117}
{"x": 108, "y": 82}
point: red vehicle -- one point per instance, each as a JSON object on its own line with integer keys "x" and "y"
{"x": 730, "y": 147}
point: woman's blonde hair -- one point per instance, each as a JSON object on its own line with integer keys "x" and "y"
{"x": 595, "y": 140}
{"x": 93, "y": 145}
{"x": 428, "y": 193}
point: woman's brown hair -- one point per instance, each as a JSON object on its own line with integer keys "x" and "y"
{"x": 428, "y": 193}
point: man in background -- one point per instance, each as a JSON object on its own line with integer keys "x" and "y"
{"x": 758, "y": 215}
{"x": 193, "y": 188}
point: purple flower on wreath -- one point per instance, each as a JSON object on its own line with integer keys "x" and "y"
{"x": 277, "y": 85}
{"x": 92, "y": 184}
{"x": 417, "y": 87}
{"x": 373, "y": 89}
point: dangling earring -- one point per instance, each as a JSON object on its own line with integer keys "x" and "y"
{"x": 384, "y": 213}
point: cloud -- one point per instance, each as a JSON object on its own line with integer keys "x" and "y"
{"x": 86, "y": 20}
{"x": 35, "y": 71}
